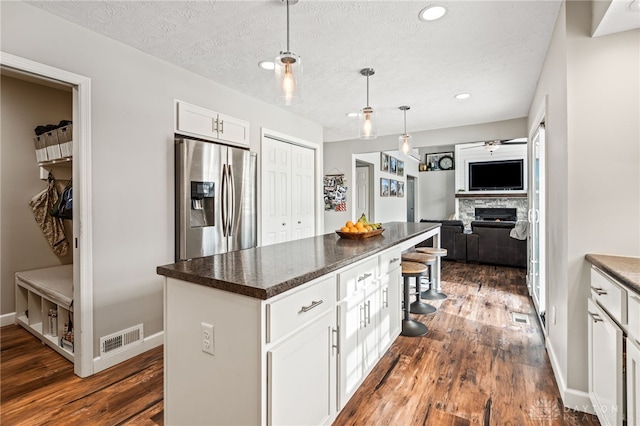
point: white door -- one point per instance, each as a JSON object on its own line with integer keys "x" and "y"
{"x": 605, "y": 357}
{"x": 633, "y": 382}
{"x": 298, "y": 395}
{"x": 276, "y": 191}
{"x": 362, "y": 192}
{"x": 303, "y": 192}
{"x": 350, "y": 319}
{"x": 537, "y": 220}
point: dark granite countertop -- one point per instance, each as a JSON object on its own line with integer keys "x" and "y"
{"x": 624, "y": 269}
{"x": 264, "y": 272}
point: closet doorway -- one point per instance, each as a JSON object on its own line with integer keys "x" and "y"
{"x": 29, "y": 74}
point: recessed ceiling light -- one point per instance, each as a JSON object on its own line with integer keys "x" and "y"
{"x": 634, "y": 6}
{"x": 462, "y": 96}
{"x": 431, "y": 13}
{"x": 267, "y": 65}
{"x": 352, "y": 114}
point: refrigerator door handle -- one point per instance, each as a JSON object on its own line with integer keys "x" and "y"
{"x": 232, "y": 202}
{"x": 223, "y": 196}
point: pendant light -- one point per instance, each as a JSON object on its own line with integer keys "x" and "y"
{"x": 404, "y": 141}
{"x": 492, "y": 146}
{"x": 367, "y": 129}
{"x": 288, "y": 72}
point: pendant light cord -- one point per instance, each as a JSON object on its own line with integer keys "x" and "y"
{"x": 405, "y": 121}
{"x": 367, "y": 88}
{"x": 288, "y": 51}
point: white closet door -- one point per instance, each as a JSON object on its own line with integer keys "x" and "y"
{"x": 302, "y": 198}
{"x": 276, "y": 188}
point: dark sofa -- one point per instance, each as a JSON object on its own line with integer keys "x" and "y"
{"x": 452, "y": 238}
{"x": 490, "y": 243}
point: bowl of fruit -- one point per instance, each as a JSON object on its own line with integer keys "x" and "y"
{"x": 360, "y": 229}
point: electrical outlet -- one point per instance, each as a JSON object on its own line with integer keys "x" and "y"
{"x": 206, "y": 336}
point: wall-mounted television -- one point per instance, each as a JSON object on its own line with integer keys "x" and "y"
{"x": 496, "y": 175}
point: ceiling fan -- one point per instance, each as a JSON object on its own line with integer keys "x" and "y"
{"x": 495, "y": 144}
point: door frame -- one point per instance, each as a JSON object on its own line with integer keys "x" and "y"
{"x": 414, "y": 179}
{"x": 82, "y": 223}
{"x": 537, "y": 123}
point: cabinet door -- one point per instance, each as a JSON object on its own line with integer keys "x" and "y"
{"x": 633, "y": 381}
{"x": 369, "y": 330}
{"x": 300, "y": 376}
{"x": 390, "y": 309}
{"x": 303, "y": 192}
{"x": 231, "y": 129}
{"x": 351, "y": 317}
{"x": 276, "y": 191}
{"x": 197, "y": 120}
{"x": 605, "y": 366}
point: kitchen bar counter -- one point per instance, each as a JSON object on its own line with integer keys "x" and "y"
{"x": 625, "y": 269}
{"x": 264, "y": 272}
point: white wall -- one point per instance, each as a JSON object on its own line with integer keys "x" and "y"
{"x": 337, "y": 155}
{"x": 25, "y": 105}
{"x": 590, "y": 87}
{"x": 384, "y": 209}
{"x": 132, "y": 153}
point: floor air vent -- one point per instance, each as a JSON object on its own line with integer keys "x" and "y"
{"x": 519, "y": 318}
{"x": 117, "y": 342}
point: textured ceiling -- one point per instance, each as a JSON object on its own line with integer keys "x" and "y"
{"x": 493, "y": 50}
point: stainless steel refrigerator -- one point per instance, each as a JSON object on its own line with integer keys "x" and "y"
{"x": 215, "y": 199}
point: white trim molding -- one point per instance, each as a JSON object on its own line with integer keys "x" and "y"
{"x": 571, "y": 398}
{"x": 7, "y": 319}
{"x": 153, "y": 341}
{"x": 82, "y": 225}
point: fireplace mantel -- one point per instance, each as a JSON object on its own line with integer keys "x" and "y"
{"x": 491, "y": 195}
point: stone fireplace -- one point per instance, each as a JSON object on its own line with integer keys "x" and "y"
{"x": 470, "y": 207}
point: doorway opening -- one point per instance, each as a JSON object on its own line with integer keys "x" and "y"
{"x": 411, "y": 198}
{"x": 80, "y": 242}
{"x": 364, "y": 190}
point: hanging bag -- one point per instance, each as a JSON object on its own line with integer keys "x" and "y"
{"x": 52, "y": 227}
{"x": 63, "y": 208}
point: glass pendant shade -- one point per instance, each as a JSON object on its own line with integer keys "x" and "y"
{"x": 367, "y": 128}
{"x": 288, "y": 78}
{"x": 404, "y": 143}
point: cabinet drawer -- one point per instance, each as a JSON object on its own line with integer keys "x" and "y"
{"x": 388, "y": 261}
{"x": 290, "y": 312}
{"x": 356, "y": 277}
{"x": 609, "y": 295}
{"x": 634, "y": 316}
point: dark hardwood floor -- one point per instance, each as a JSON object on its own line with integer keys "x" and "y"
{"x": 475, "y": 366}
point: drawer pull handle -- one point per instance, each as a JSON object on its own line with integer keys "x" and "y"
{"x": 598, "y": 291}
{"x": 596, "y": 317}
{"x": 311, "y": 306}
{"x": 364, "y": 277}
{"x": 395, "y": 259}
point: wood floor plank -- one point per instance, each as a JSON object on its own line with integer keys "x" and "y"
{"x": 475, "y": 366}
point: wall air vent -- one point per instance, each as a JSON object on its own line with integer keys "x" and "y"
{"x": 520, "y": 318}
{"x": 121, "y": 340}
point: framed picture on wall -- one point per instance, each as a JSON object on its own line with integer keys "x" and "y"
{"x": 384, "y": 187}
{"x": 400, "y": 189}
{"x": 393, "y": 165}
{"x": 384, "y": 162}
{"x": 440, "y": 161}
{"x": 400, "y": 168}
{"x": 393, "y": 185}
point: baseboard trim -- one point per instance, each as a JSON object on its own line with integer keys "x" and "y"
{"x": 571, "y": 398}
{"x": 7, "y": 319}
{"x": 153, "y": 341}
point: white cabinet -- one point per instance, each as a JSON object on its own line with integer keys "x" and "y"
{"x": 301, "y": 371}
{"x": 196, "y": 121}
{"x": 358, "y": 316}
{"x": 605, "y": 366}
{"x": 288, "y": 191}
{"x": 390, "y": 319}
{"x": 43, "y": 306}
{"x": 633, "y": 381}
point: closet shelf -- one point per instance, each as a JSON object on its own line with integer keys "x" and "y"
{"x": 57, "y": 162}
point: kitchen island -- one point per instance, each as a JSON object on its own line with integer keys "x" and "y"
{"x": 283, "y": 333}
